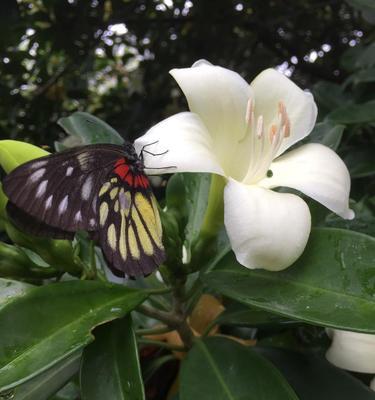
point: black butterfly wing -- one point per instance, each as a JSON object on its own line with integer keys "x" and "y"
{"x": 61, "y": 190}
{"x": 129, "y": 226}
{"x": 31, "y": 225}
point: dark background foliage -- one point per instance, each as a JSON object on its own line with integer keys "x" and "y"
{"x": 111, "y": 58}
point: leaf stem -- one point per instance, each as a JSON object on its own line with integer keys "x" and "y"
{"x": 162, "y": 344}
{"x": 157, "y": 330}
{"x": 159, "y": 291}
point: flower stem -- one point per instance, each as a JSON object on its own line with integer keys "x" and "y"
{"x": 214, "y": 217}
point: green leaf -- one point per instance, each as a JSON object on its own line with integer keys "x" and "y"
{"x": 49, "y": 323}
{"x": 362, "y": 76}
{"x": 360, "y": 162}
{"x": 14, "y": 153}
{"x": 222, "y": 369}
{"x": 362, "y": 3}
{"x": 46, "y": 384}
{"x": 367, "y": 7}
{"x": 237, "y": 314}
{"x": 110, "y": 367}
{"x": 11, "y": 290}
{"x": 363, "y": 222}
{"x": 333, "y": 277}
{"x": 354, "y": 113}
{"x": 327, "y": 133}
{"x": 313, "y": 377}
{"x": 330, "y": 95}
{"x": 89, "y": 129}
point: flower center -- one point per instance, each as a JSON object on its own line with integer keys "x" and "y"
{"x": 264, "y": 141}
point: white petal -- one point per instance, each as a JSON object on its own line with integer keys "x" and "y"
{"x": 186, "y": 143}
{"x": 352, "y": 351}
{"x": 219, "y": 96}
{"x": 266, "y": 229}
{"x": 270, "y": 87}
{"x": 318, "y": 172}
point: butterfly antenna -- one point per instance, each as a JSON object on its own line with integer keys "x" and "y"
{"x": 172, "y": 166}
{"x": 149, "y": 152}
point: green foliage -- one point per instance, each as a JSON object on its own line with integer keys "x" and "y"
{"x": 66, "y": 313}
{"x": 110, "y": 366}
{"x": 330, "y": 279}
{"x": 231, "y": 371}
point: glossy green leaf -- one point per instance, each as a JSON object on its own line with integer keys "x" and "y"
{"x": 11, "y": 290}
{"x": 237, "y": 314}
{"x": 110, "y": 367}
{"x": 354, "y": 113}
{"x": 313, "y": 377}
{"x": 327, "y": 133}
{"x": 222, "y": 369}
{"x": 46, "y": 384}
{"x": 49, "y": 323}
{"x": 333, "y": 277}
{"x": 69, "y": 392}
{"x": 89, "y": 129}
{"x": 14, "y": 153}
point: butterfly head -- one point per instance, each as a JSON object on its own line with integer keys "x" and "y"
{"x": 135, "y": 161}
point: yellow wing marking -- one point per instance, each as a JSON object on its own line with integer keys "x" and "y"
{"x": 114, "y": 180}
{"x": 133, "y": 245}
{"x": 113, "y": 193}
{"x": 144, "y": 238}
{"x": 122, "y": 242}
{"x": 112, "y": 237}
{"x": 147, "y": 211}
{"x": 157, "y": 216}
{"x": 125, "y": 201}
{"x": 116, "y": 206}
{"x": 104, "y": 188}
{"x": 103, "y": 213}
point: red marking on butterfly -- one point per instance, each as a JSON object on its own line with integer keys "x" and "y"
{"x": 121, "y": 168}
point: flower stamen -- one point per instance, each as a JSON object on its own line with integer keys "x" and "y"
{"x": 263, "y": 152}
{"x": 260, "y": 127}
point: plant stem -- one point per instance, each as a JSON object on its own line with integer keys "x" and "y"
{"x": 154, "y": 331}
{"x": 162, "y": 344}
{"x": 183, "y": 327}
{"x": 155, "y": 292}
{"x": 168, "y": 318}
{"x": 175, "y": 319}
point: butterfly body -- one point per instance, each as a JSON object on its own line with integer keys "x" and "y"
{"x": 98, "y": 188}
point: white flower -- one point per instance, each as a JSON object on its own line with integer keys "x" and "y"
{"x": 352, "y": 351}
{"x": 240, "y": 131}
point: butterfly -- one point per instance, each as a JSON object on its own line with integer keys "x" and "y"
{"x": 99, "y": 188}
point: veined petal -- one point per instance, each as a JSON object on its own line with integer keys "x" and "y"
{"x": 266, "y": 229}
{"x": 180, "y": 141}
{"x": 271, "y": 87}
{"x": 219, "y": 96}
{"x": 352, "y": 351}
{"x": 318, "y": 172}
